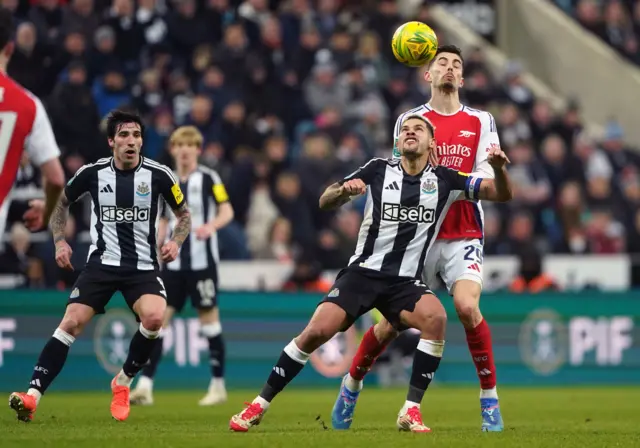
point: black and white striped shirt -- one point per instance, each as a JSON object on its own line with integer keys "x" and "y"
{"x": 204, "y": 191}
{"x": 125, "y": 210}
{"x": 403, "y": 214}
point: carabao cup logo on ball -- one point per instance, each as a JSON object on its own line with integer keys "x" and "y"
{"x": 414, "y": 44}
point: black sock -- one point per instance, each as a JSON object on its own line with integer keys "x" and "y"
{"x": 140, "y": 349}
{"x": 51, "y": 360}
{"x": 216, "y": 356}
{"x": 291, "y": 362}
{"x": 149, "y": 370}
{"x": 426, "y": 360}
{"x": 213, "y": 333}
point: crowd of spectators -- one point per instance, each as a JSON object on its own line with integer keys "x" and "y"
{"x": 617, "y": 22}
{"x": 291, "y": 96}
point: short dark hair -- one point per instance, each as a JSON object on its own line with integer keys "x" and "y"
{"x": 116, "y": 118}
{"x": 6, "y": 27}
{"x": 422, "y": 118}
{"x": 449, "y": 49}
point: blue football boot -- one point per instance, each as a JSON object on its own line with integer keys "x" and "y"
{"x": 491, "y": 418}
{"x": 342, "y": 414}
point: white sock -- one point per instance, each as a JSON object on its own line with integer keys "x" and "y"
{"x": 144, "y": 382}
{"x": 35, "y": 393}
{"x": 352, "y": 384}
{"x": 216, "y": 383}
{"x": 123, "y": 380}
{"x": 262, "y": 402}
{"x": 407, "y": 405}
{"x": 489, "y": 393}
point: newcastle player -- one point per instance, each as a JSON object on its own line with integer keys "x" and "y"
{"x": 465, "y": 139}
{"x": 194, "y": 273}
{"x": 407, "y": 201}
{"x": 125, "y": 192}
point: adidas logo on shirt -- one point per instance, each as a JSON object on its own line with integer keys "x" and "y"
{"x": 107, "y": 189}
{"x": 392, "y": 186}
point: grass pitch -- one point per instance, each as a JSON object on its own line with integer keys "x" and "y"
{"x": 536, "y": 417}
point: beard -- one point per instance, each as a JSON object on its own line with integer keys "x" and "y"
{"x": 447, "y": 87}
{"x": 414, "y": 152}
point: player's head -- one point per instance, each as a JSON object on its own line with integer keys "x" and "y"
{"x": 124, "y": 132}
{"x": 6, "y": 34}
{"x": 416, "y": 137}
{"x": 445, "y": 70}
{"x": 186, "y": 145}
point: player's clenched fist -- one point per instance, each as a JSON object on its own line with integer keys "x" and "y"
{"x": 353, "y": 187}
{"x": 63, "y": 255}
{"x": 497, "y": 158}
{"x": 169, "y": 251}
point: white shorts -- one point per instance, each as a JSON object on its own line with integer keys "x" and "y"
{"x": 453, "y": 260}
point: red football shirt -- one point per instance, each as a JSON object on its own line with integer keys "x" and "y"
{"x": 23, "y": 125}
{"x": 463, "y": 139}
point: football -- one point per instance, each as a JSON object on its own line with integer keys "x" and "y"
{"x": 414, "y": 44}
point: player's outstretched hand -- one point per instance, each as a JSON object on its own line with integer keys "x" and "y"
{"x": 353, "y": 187}
{"x": 169, "y": 251}
{"x": 203, "y": 232}
{"x": 63, "y": 255}
{"x": 497, "y": 158}
{"x": 33, "y": 218}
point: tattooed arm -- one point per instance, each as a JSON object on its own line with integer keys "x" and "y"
{"x": 58, "y": 224}
{"x": 58, "y": 221}
{"x": 171, "y": 248}
{"x": 183, "y": 226}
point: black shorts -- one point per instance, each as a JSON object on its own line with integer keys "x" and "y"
{"x": 200, "y": 286}
{"x": 97, "y": 284}
{"x": 359, "y": 290}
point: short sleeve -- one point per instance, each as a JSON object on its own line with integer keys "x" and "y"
{"x": 365, "y": 173}
{"x": 488, "y": 139}
{"x": 459, "y": 181}
{"x": 170, "y": 188}
{"x": 79, "y": 184}
{"x": 41, "y": 144}
{"x": 218, "y": 190}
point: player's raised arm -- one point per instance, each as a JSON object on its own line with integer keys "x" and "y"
{"x": 499, "y": 188}
{"x": 355, "y": 184}
{"x": 477, "y": 188}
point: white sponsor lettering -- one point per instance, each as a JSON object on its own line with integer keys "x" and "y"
{"x": 607, "y": 337}
{"x": 184, "y": 339}
{"x": 7, "y": 344}
{"x": 453, "y": 150}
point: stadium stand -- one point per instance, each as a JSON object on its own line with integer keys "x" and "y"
{"x": 291, "y": 97}
{"x": 616, "y": 22}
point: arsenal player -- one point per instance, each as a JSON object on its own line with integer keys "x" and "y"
{"x": 24, "y": 125}
{"x": 464, "y": 138}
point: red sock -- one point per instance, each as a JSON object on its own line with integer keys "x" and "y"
{"x": 368, "y": 351}
{"x": 479, "y": 341}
